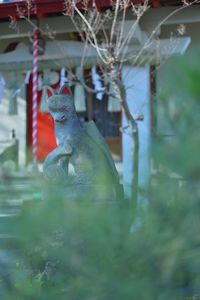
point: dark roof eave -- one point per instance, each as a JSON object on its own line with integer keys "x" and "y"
{"x": 42, "y": 8}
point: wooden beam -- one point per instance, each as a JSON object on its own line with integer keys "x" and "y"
{"x": 57, "y": 25}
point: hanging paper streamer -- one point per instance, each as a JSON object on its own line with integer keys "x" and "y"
{"x": 96, "y": 79}
{"x": 79, "y": 92}
{"x": 2, "y": 86}
{"x": 35, "y": 95}
{"x": 63, "y": 77}
{"x": 27, "y": 77}
{"x": 113, "y": 102}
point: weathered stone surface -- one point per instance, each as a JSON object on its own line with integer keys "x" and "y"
{"x": 83, "y": 147}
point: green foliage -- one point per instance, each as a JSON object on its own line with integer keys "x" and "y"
{"x": 85, "y": 249}
{"x": 180, "y": 102}
{"x": 81, "y": 250}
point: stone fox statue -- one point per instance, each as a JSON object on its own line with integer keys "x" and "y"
{"x": 82, "y": 146}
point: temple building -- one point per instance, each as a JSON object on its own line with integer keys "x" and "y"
{"x": 60, "y": 54}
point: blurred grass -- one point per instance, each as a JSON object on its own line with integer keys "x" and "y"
{"x": 85, "y": 249}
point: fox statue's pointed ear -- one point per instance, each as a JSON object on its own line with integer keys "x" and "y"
{"x": 65, "y": 90}
{"x": 49, "y": 91}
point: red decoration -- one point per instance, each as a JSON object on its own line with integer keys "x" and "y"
{"x": 45, "y": 127}
{"x": 65, "y": 91}
{"x": 50, "y": 92}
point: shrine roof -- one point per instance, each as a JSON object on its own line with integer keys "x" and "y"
{"x": 43, "y": 8}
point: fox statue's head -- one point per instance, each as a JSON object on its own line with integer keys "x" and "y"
{"x": 61, "y": 105}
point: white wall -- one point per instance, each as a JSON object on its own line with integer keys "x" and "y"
{"x": 137, "y": 84}
{"x": 16, "y": 122}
